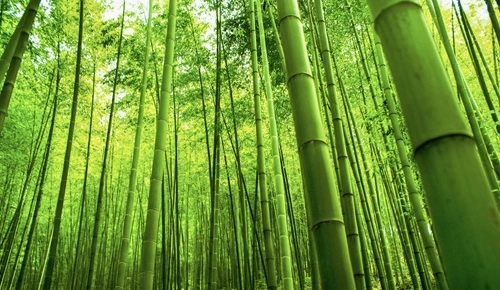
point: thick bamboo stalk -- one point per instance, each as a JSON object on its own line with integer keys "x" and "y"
{"x": 345, "y": 178}
{"x": 414, "y": 196}
{"x": 467, "y": 226}
{"x": 323, "y": 207}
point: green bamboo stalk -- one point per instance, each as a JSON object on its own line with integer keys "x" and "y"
{"x": 284, "y": 243}
{"x": 493, "y": 17}
{"x": 10, "y": 48}
{"x": 102, "y": 189}
{"x": 368, "y": 202}
{"x": 372, "y": 191}
{"x": 46, "y": 279}
{"x": 467, "y": 33}
{"x": 400, "y": 218}
{"x": 76, "y": 261}
{"x": 293, "y": 224}
{"x": 215, "y": 236}
{"x": 323, "y": 206}
{"x": 467, "y": 27}
{"x": 2, "y": 9}
{"x": 42, "y": 178}
{"x": 13, "y": 55}
{"x": 15, "y": 225}
{"x": 235, "y": 221}
{"x": 321, "y": 91}
{"x": 148, "y": 249}
{"x": 486, "y": 151}
{"x": 264, "y": 195}
{"x": 466, "y": 225}
{"x": 175, "y": 207}
{"x": 276, "y": 33}
{"x": 345, "y": 179}
{"x": 359, "y": 217}
{"x": 127, "y": 223}
{"x": 415, "y": 198}
{"x": 241, "y": 210}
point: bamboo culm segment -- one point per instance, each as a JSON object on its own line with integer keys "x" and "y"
{"x": 127, "y": 223}
{"x": 148, "y": 250}
{"x": 467, "y": 225}
{"x": 284, "y": 241}
{"x": 261, "y": 166}
{"x": 322, "y": 202}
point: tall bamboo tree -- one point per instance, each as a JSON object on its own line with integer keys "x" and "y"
{"x": 486, "y": 151}
{"x": 323, "y": 206}
{"x": 284, "y": 243}
{"x": 413, "y": 193}
{"x": 101, "y": 192}
{"x": 214, "y": 235}
{"x": 261, "y": 165}
{"x": 42, "y": 178}
{"x": 127, "y": 223}
{"x": 341, "y": 153}
{"x": 466, "y": 225}
{"x": 77, "y": 278}
{"x": 148, "y": 249}
{"x": 47, "y": 278}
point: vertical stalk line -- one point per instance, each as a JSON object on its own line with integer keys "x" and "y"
{"x": 264, "y": 194}
{"x": 42, "y": 177}
{"x": 359, "y": 215}
{"x": 320, "y": 90}
{"x": 102, "y": 189}
{"x": 129, "y": 208}
{"x": 322, "y": 204}
{"x": 8, "y": 52}
{"x": 234, "y": 219}
{"x": 214, "y": 237}
{"x": 8, "y": 240}
{"x": 493, "y": 17}
{"x": 367, "y": 197}
{"x": 47, "y": 278}
{"x": 2, "y": 9}
{"x": 292, "y": 220}
{"x": 241, "y": 191}
{"x": 345, "y": 179}
{"x": 175, "y": 191}
{"x": 241, "y": 179}
{"x": 240, "y": 215}
{"x": 373, "y": 192}
{"x": 164, "y": 255}
{"x": 203, "y": 270}
{"x": 400, "y": 216}
{"x": 148, "y": 249}
{"x": 202, "y": 94}
{"x": 284, "y": 242}
{"x": 84, "y": 189}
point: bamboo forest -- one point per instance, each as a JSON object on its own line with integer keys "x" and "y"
{"x": 250, "y": 144}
